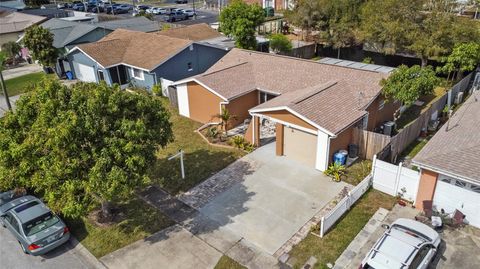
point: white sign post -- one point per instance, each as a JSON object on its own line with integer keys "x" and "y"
{"x": 180, "y": 153}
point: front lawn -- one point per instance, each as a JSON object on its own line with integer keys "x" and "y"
{"x": 24, "y": 83}
{"x": 331, "y": 246}
{"x": 226, "y": 262}
{"x": 140, "y": 220}
{"x": 358, "y": 171}
{"x": 201, "y": 159}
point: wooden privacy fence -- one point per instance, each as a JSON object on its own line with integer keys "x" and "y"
{"x": 369, "y": 143}
{"x": 411, "y": 132}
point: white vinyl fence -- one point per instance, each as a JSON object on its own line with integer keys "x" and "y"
{"x": 395, "y": 179}
{"x": 344, "y": 205}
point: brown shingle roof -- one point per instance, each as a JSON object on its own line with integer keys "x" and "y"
{"x": 333, "y": 96}
{"x": 455, "y": 148}
{"x": 195, "y": 32}
{"x": 12, "y": 22}
{"x": 144, "y": 50}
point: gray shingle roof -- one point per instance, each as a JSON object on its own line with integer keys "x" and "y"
{"x": 140, "y": 24}
{"x": 455, "y": 148}
{"x": 333, "y": 108}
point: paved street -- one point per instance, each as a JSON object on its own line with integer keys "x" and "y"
{"x": 11, "y": 256}
{"x": 20, "y": 71}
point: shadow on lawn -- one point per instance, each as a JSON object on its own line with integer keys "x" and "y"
{"x": 199, "y": 165}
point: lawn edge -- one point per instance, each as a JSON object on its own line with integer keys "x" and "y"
{"x": 83, "y": 252}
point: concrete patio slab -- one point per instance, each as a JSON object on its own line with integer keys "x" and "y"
{"x": 173, "y": 247}
{"x": 268, "y": 206}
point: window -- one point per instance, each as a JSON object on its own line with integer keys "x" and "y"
{"x": 101, "y": 76}
{"x": 459, "y": 183}
{"x": 13, "y": 222}
{"x": 422, "y": 253}
{"x": 39, "y": 223}
{"x": 137, "y": 73}
{"x": 189, "y": 66}
{"x": 381, "y": 105}
{"x": 475, "y": 188}
{"x": 446, "y": 180}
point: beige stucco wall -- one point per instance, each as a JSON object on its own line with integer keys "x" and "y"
{"x": 426, "y": 187}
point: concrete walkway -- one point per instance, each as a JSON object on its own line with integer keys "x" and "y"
{"x": 3, "y": 103}
{"x": 21, "y": 71}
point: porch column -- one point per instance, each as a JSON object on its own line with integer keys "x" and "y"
{"x": 256, "y": 131}
{"x": 279, "y": 139}
{"x": 426, "y": 188}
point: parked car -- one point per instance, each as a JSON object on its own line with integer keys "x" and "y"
{"x": 189, "y": 12}
{"x": 112, "y": 7}
{"x": 78, "y": 7}
{"x": 177, "y": 16}
{"x": 37, "y": 229}
{"x": 95, "y": 8}
{"x": 406, "y": 244}
{"x": 181, "y": 1}
{"x": 139, "y": 8}
{"x": 173, "y": 10}
{"x": 156, "y": 11}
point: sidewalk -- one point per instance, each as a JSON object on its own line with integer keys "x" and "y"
{"x": 3, "y": 103}
{"x": 21, "y": 70}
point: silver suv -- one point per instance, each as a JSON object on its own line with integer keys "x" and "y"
{"x": 405, "y": 244}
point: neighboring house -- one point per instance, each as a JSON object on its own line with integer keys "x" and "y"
{"x": 315, "y": 106}
{"x": 276, "y": 4}
{"x": 450, "y": 164}
{"x": 13, "y": 4}
{"x": 49, "y": 13}
{"x": 201, "y": 33}
{"x": 141, "y": 59}
{"x": 13, "y": 24}
{"x": 68, "y": 34}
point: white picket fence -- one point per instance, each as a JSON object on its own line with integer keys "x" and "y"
{"x": 395, "y": 179}
{"x": 344, "y": 205}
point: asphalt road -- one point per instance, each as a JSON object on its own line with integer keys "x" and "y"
{"x": 12, "y": 257}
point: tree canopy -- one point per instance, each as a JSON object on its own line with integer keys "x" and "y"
{"x": 239, "y": 20}
{"x": 280, "y": 43}
{"x": 407, "y": 84}
{"x": 39, "y": 42}
{"x": 81, "y": 146}
{"x": 464, "y": 57}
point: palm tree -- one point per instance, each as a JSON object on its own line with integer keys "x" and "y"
{"x": 225, "y": 117}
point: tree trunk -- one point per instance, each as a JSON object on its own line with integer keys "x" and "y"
{"x": 106, "y": 213}
{"x": 459, "y": 75}
{"x": 5, "y": 93}
{"x": 338, "y": 53}
{"x": 424, "y": 61}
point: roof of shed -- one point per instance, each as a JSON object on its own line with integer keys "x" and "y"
{"x": 195, "y": 32}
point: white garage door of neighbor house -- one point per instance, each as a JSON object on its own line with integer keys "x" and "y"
{"x": 300, "y": 146}
{"x": 84, "y": 72}
{"x": 451, "y": 194}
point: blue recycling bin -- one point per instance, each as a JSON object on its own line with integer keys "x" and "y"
{"x": 339, "y": 158}
{"x": 69, "y": 75}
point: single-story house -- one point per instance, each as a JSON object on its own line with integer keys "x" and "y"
{"x": 68, "y": 34}
{"x": 314, "y": 106}
{"x": 450, "y": 164}
{"x": 276, "y": 4}
{"x": 142, "y": 59}
{"x": 49, "y": 13}
{"x": 13, "y": 24}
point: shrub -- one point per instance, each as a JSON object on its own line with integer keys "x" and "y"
{"x": 241, "y": 143}
{"x": 335, "y": 170}
{"x": 157, "y": 90}
{"x": 212, "y": 132}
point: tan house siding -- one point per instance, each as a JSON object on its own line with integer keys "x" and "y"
{"x": 249, "y": 134}
{"x": 240, "y": 106}
{"x": 340, "y": 142}
{"x": 279, "y": 140}
{"x": 376, "y": 116}
{"x": 426, "y": 187}
{"x": 203, "y": 104}
{"x": 286, "y": 116}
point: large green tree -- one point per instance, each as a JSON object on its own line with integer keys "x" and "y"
{"x": 81, "y": 146}
{"x": 464, "y": 57}
{"x": 240, "y": 20}
{"x": 11, "y": 49}
{"x": 407, "y": 84}
{"x": 39, "y": 42}
{"x": 280, "y": 43}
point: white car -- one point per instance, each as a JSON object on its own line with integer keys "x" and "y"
{"x": 156, "y": 11}
{"x": 406, "y": 244}
{"x": 189, "y": 12}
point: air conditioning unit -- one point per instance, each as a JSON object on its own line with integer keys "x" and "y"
{"x": 388, "y": 128}
{"x": 459, "y": 98}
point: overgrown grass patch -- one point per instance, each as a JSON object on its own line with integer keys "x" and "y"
{"x": 25, "y": 83}
{"x": 331, "y": 246}
{"x": 358, "y": 171}
{"x": 140, "y": 220}
{"x": 226, "y": 262}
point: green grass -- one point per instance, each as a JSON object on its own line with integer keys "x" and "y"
{"x": 140, "y": 220}
{"x": 358, "y": 171}
{"x": 331, "y": 246}
{"x": 226, "y": 262}
{"x": 201, "y": 159}
{"x": 24, "y": 83}
{"x": 414, "y": 148}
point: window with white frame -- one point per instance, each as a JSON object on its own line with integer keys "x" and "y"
{"x": 137, "y": 73}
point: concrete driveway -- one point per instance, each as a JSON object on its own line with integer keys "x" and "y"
{"x": 459, "y": 248}
{"x": 268, "y": 204}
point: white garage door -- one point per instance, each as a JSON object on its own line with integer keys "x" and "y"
{"x": 451, "y": 194}
{"x": 300, "y": 146}
{"x": 84, "y": 72}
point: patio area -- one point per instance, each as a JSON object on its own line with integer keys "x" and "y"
{"x": 267, "y": 130}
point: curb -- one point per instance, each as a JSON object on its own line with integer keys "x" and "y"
{"x": 85, "y": 254}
